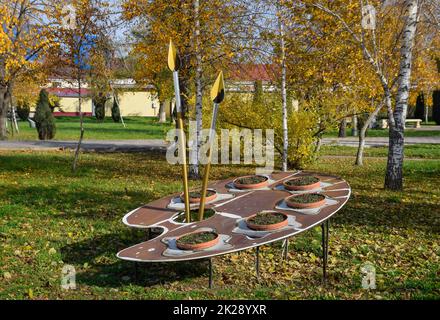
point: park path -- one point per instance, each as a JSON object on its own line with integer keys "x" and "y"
{"x": 88, "y": 145}
{"x": 155, "y": 145}
{"x": 378, "y": 141}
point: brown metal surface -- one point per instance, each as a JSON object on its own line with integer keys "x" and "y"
{"x": 229, "y": 213}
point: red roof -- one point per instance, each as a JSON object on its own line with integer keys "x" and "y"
{"x": 68, "y": 92}
{"x": 253, "y": 72}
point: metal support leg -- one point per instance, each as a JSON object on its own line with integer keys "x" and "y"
{"x": 148, "y": 234}
{"x": 257, "y": 262}
{"x": 210, "y": 274}
{"x": 285, "y": 249}
{"x": 135, "y": 271}
{"x": 325, "y": 237}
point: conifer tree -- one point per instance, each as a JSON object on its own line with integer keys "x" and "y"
{"x": 44, "y": 119}
{"x": 116, "y": 112}
{"x": 99, "y": 103}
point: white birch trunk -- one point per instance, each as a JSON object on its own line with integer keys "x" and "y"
{"x": 283, "y": 91}
{"x": 394, "y": 171}
{"x": 354, "y": 126}
{"x": 162, "y": 113}
{"x": 194, "y": 152}
{"x": 426, "y": 114}
{"x": 13, "y": 115}
{"x": 81, "y": 126}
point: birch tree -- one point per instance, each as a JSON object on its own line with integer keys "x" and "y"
{"x": 394, "y": 171}
{"x": 78, "y": 38}
{"x": 283, "y": 84}
{"x": 268, "y": 43}
{"x": 392, "y": 67}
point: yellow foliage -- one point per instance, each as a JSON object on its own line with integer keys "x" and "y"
{"x": 21, "y": 45}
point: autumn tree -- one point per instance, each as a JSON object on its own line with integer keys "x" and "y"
{"x": 101, "y": 74}
{"x": 207, "y": 34}
{"x": 26, "y": 92}
{"x": 320, "y": 58}
{"x": 385, "y": 36}
{"x": 79, "y": 31}
{"x": 25, "y": 38}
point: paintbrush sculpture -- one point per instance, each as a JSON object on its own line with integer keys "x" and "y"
{"x": 217, "y": 96}
{"x": 174, "y": 64}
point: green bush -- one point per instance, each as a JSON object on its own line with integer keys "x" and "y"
{"x": 116, "y": 113}
{"x": 302, "y": 139}
{"x": 44, "y": 119}
{"x": 265, "y": 113}
{"x": 23, "y": 110}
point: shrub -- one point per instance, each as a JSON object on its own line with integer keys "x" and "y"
{"x": 248, "y": 112}
{"x": 44, "y": 119}
{"x": 436, "y": 106}
{"x": 99, "y": 103}
{"x": 23, "y": 110}
{"x": 116, "y": 113}
{"x": 302, "y": 139}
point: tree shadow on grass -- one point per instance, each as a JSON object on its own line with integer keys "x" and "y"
{"x": 81, "y": 204}
{"x": 150, "y": 167}
{"x": 105, "y": 270}
{"x": 389, "y": 212}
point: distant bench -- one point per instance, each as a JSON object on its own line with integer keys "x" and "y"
{"x": 417, "y": 123}
{"x": 31, "y": 123}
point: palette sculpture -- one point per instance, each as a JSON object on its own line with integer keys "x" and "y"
{"x": 232, "y": 206}
{"x": 233, "y": 227}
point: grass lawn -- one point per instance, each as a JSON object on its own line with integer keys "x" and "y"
{"x": 409, "y": 132}
{"x": 68, "y": 129}
{"x": 50, "y": 217}
{"x": 425, "y": 151}
{"x": 147, "y": 128}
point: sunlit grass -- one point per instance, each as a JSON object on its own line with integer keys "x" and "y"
{"x": 50, "y": 217}
{"x": 68, "y": 129}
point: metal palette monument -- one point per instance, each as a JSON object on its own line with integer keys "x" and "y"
{"x": 234, "y": 214}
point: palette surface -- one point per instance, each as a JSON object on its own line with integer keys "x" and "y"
{"x": 232, "y": 207}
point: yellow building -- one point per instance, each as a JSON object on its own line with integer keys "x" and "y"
{"x": 133, "y": 101}
{"x": 143, "y": 102}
